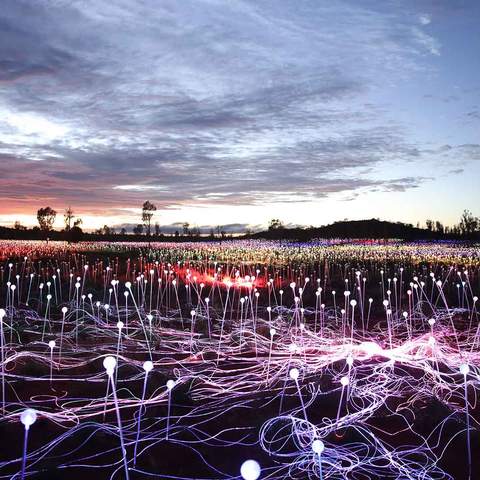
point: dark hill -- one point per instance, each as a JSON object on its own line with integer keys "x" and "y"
{"x": 353, "y": 229}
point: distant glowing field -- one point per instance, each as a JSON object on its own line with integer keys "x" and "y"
{"x": 331, "y": 360}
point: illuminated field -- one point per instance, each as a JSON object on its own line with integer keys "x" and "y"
{"x": 324, "y": 360}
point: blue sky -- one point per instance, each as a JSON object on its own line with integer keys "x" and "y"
{"x": 236, "y": 112}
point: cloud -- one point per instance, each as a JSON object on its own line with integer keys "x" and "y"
{"x": 204, "y": 103}
{"x": 425, "y": 19}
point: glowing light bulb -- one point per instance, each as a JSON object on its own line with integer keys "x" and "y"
{"x": 148, "y": 366}
{"x": 28, "y": 417}
{"x": 109, "y": 363}
{"x": 250, "y": 470}
{"x": 318, "y": 446}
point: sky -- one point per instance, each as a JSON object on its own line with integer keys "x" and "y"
{"x": 235, "y": 112}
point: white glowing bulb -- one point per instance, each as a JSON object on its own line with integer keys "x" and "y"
{"x": 28, "y": 417}
{"x": 250, "y": 470}
{"x": 318, "y": 446}
{"x": 109, "y": 363}
{"x": 148, "y": 366}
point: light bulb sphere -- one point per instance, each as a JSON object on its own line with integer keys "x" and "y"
{"x": 120, "y": 325}
{"x": 272, "y": 332}
{"x": 109, "y": 363}
{"x": 170, "y": 384}
{"x": 318, "y": 446}
{"x": 250, "y": 470}
{"x": 294, "y": 373}
{"x": 2, "y": 313}
{"x": 148, "y": 366}
{"x": 51, "y": 344}
{"x": 128, "y": 285}
{"x": 464, "y": 369}
{"x": 28, "y": 417}
{"x": 344, "y": 381}
{"x": 64, "y": 309}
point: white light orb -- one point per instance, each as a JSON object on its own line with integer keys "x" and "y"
{"x": 250, "y": 470}
{"x": 109, "y": 363}
{"x": 294, "y": 373}
{"x": 64, "y": 309}
{"x": 170, "y": 384}
{"x": 464, "y": 369}
{"x": 148, "y": 366}
{"x": 128, "y": 285}
{"x": 28, "y": 417}
{"x": 272, "y": 332}
{"x": 51, "y": 344}
{"x": 344, "y": 381}
{"x": 318, "y": 446}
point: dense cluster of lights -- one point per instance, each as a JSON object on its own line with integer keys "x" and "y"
{"x": 240, "y": 359}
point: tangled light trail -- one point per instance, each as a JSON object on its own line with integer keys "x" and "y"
{"x": 324, "y": 360}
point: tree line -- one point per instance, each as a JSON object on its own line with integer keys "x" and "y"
{"x": 468, "y": 227}
{"x": 72, "y": 231}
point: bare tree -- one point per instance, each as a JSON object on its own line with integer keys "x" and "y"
{"x": 68, "y": 217}
{"x": 147, "y": 214}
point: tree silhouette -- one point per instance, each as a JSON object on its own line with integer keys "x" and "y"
{"x": 468, "y": 223}
{"x": 275, "y": 224}
{"x": 147, "y": 214}
{"x": 46, "y": 218}
{"x": 138, "y": 230}
{"x": 68, "y": 217}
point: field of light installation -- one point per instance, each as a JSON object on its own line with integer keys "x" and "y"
{"x": 240, "y": 360}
